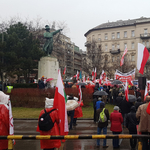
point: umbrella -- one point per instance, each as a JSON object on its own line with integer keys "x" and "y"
{"x": 81, "y": 83}
{"x": 131, "y": 98}
{"x": 49, "y": 79}
{"x": 71, "y": 105}
{"x": 100, "y": 93}
{"x": 116, "y": 82}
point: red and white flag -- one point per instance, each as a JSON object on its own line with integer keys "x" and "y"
{"x": 59, "y": 103}
{"x": 142, "y": 57}
{"x": 126, "y": 91}
{"x": 122, "y": 59}
{"x": 84, "y": 80}
{"x": 77, "y": 76}
{"x": 146, "y": 93}
{"x": 88, "y": 78}
{"x": 80, "y": 94}
{"x": 102, "y": 76}
{"x": 93, "y": 74}
{"x": 64, "y": 70}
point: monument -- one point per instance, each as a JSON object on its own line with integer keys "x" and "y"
{"x": 48, "y": 66}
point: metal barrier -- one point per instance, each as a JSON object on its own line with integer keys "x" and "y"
{"x": 71, "y": 137}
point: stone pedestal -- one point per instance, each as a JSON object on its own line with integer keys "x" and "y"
{"x": 48, "y": 67}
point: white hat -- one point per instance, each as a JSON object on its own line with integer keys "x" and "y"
{"x": 49, "y": 102}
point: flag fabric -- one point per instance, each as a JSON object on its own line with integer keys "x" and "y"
{"x": 84, "y": 80}
{"x": 80, "y": 94}
{"x": 88, "y": 78}
{"x": 122, "y": 59}
{"x": 11, "y": 125}
{"x": 102, "y": 76}
{"x": 64, "y": 70}
{"x": 146, "y": 93}
{"x": 126, "y": 91}
{"x": 93, "y": 74}
{"x": 77, "y": 76}
{"x": 142, "y": 57}
{"x": 59, "y": 103}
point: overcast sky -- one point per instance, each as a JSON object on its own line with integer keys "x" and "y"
{"x": 79, "y": 15}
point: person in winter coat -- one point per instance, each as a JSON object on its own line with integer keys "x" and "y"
{"x": 125, "y": 109}
{"x": 115, "y": 93}
{"x": 138, "y": 102}
{"x": 50, "y": 144}
{"x": 96, "y": 87}
{"x": 98, "y": 103}
{"x": 102, "y": 125}
{"x": 95, "y": 99}
{"x": 119, "y": 99}
{"x": 116, "y": 125}
{"x": 131, "y": 123}
{"x": 144, "y": 125}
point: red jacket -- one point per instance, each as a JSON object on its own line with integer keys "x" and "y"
{"x": 78, "y": 111}
{"x": 4, "y": 125}
{"x": 47, "y": 144}
{"x": 116, "y": 121}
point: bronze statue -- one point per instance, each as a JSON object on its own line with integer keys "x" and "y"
{"x": 48, "y": 46}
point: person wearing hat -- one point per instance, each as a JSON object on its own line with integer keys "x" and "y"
{"x": 48, "y": 46}
{"x": 50, "y": 144}
{"x": 116, "y": 125}
{"x": 102, "y": 125}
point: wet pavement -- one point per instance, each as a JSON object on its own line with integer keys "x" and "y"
{"x": 84, "y": 127}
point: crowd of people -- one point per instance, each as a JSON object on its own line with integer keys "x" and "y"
{"x": 126, "y": 114}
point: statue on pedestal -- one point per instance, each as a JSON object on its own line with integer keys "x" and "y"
{"x": 48, "y": 46}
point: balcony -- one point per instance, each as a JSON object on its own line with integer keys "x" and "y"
{"x": 77, "y": 63}
{"x": 78, "y": 57}
{"x": 87, "y": 44}
{"x": 145, "y": 36}
{"x": 115, "y": 51}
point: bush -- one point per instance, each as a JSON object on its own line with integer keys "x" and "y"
{"x": 25, "y": 85}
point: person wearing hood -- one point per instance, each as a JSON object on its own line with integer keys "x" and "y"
{"x": 138, "y": 103}
{"x": 131, "y": 123}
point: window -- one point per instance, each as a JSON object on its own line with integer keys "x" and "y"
{"x": 105, "y": 47}
{"x": 113, "y": 36}
{"x": 147, "y": 44}
{"x": 125, "y": 34}
{"x": 132, "y": 33}
{"x": 132, "y": 58}
{"x": 118, "y": 35}
{"x": 145, "y": 32}
{"x": 118, "y": 59}
{"x": 118, "y": 46}
{"x": 99, "y": 38}
{"x": 113, "y": 58}
{"x": 106, "y": 36}
{"x": 125, "y": 46}
{"x": 132, "y": 45}
{"x": 113, "y": 47}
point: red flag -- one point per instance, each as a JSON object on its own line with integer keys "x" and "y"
{"x": 126, "y": 92}
{"x": 77, "y": 75}
{"x": 84, "y": 78}
{"x": 88, "y": 78}
{"x": 122, "y": 59}
{"x": 64, "y": 70}
{"x": 59, "y": 103}
{"x": 95, "y": 74}
{"x": 146, "y": 93}
{"x": 142, "y": 57}
{"x": 80, "y": 94}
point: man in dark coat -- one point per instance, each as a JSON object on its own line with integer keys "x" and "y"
{"x": 119, "y": 99}
{"x": 138, "y": 103}
{"x": 102, "y": 125}
{"x": 95, "y": 99}
{"x": 125, "y": 109}
{"x": 131, "y": 123}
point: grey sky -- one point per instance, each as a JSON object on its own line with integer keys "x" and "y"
{"x": 79, "y": 15}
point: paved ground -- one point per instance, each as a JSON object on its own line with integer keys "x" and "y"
{"x": 84, "y": 127}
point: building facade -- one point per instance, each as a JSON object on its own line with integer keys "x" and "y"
{"x": 106, "y": 43}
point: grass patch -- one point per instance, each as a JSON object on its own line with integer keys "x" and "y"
{"x": 33, "y": 113}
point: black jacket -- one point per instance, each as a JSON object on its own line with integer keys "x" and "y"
{"x": 119, "y": 99}
{"x": 131, "y": 120}
{"x": 98, "y": 111}
{"x": 94, "y": 102}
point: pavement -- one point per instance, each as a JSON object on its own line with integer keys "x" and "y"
{"x": 84, "y": 127}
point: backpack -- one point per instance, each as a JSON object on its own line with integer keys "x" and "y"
{"x": 102, "y": 116}
{"x": 45, "y": 121}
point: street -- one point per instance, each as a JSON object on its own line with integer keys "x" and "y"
{"x": 84, "y": 127}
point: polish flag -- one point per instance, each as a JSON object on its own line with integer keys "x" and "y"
{"x": 126, "y": 91}
{"x": 102, "y": 77}
{"x": 122, "y": 59}
{"x": 80, "y": 94}
{"x": 64, "y": 70}
{"x": 93, "y": 74}
{"x": 77, "y": 76}
{"x": 142, "y": 58}
{"x": 88, "y": 78}
{"x": 146, "y": 93}
{"x": 84, "y": 80}
{"x": 59, "y": 103}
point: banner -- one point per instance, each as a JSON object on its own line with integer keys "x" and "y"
{"x": 125, "y": 76}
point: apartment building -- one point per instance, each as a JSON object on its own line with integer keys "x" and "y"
{"x": 110, "y": 40}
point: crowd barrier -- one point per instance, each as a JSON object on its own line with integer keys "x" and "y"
{"x": 73, "y": 137}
